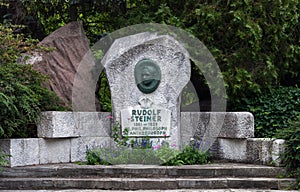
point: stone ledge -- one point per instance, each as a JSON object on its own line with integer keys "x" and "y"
{"x": 235, "y": 125}
{"x": 57, "y": 124}
{"x": 34, "y": 151}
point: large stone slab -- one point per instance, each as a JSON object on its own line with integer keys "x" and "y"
{"x": 22, "y": 151}
{"x": 197, "y": 124}
{"x": 54, "y": 150}
{"x": 55, "y": 124}
{"x": 70, "y": 45}
{"x": 79, "y": 146}
{"x": 172, "y": 59}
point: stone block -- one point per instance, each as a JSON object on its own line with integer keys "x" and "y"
{"x": 80, "y": 145}
{"x": 278, "y": 148}
{"x": 252, "y": 150}
{"x": 259, "y": 150}
{"x": 207, "y": 124}
{"x": 22, "y": 151}
{"x": 93, "y": 124}
{"x": 54, "y": 150}
{"x": 57, "y": 124}
{"x": 230, "y": 149}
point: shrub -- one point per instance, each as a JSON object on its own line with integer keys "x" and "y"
{"x": 291, "y": 156}
{"x": 22, "y": 96}
{"x": 164, "y": 154}
{"x": 189, "y": 156}
{"x": 3, "y": 160}
{"x": 272, "y": 110}
{"x": 142, "y": 151}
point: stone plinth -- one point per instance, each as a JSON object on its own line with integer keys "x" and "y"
{"x": 173, "y": 61}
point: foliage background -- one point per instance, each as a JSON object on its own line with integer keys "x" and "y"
{"x": 22, "y": 96}
{"x": 255, "y": 43}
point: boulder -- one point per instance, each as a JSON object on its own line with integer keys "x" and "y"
{"x": 70, "y": 45}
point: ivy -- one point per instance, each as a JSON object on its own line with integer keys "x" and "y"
{"x": 272, "y": 110}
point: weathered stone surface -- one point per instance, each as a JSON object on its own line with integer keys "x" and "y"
{"x": 54, "y": 150}
{"x": 259, "y": 150}
{"x": 170, "y": 56}
{"x": 219, "y": 170}
{"x": 230, "y": 149}
{"x": 93, "y": 124}
{"x": 251, "y": 150}
{"x": 70, "y": 46}
{"x": 55, "y": 124}
{"x": 22, "y": 151}
{"x": 80, "y": 145}
{"x": 197, "y": 124}
{"x": 148, "y": 184}
{"x": 278, "y": 149}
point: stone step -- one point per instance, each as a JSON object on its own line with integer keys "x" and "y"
{"x": 146, "y": 171}
{"x": 143, "y": 183}
{"x": 173, "y": 190}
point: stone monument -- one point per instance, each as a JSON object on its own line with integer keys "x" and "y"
{"x": 147, "y": 73}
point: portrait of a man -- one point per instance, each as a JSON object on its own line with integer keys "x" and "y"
{"x": 147, "y": 75}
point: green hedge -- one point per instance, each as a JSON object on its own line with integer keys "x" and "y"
{"x": 272, "y": 110}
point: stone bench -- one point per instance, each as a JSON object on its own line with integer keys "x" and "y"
{"x": 64, "y": 137}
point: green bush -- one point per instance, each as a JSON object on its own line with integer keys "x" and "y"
{"x": 291, "y": 156}
{"x": 272, "y": 110}
{"x": 3, "y": 160}
{"x": 141, "y": 151}
{"x": 164, "y": 155}
{"x": 22, "y": 96}
{"x": 189, "y": 156}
